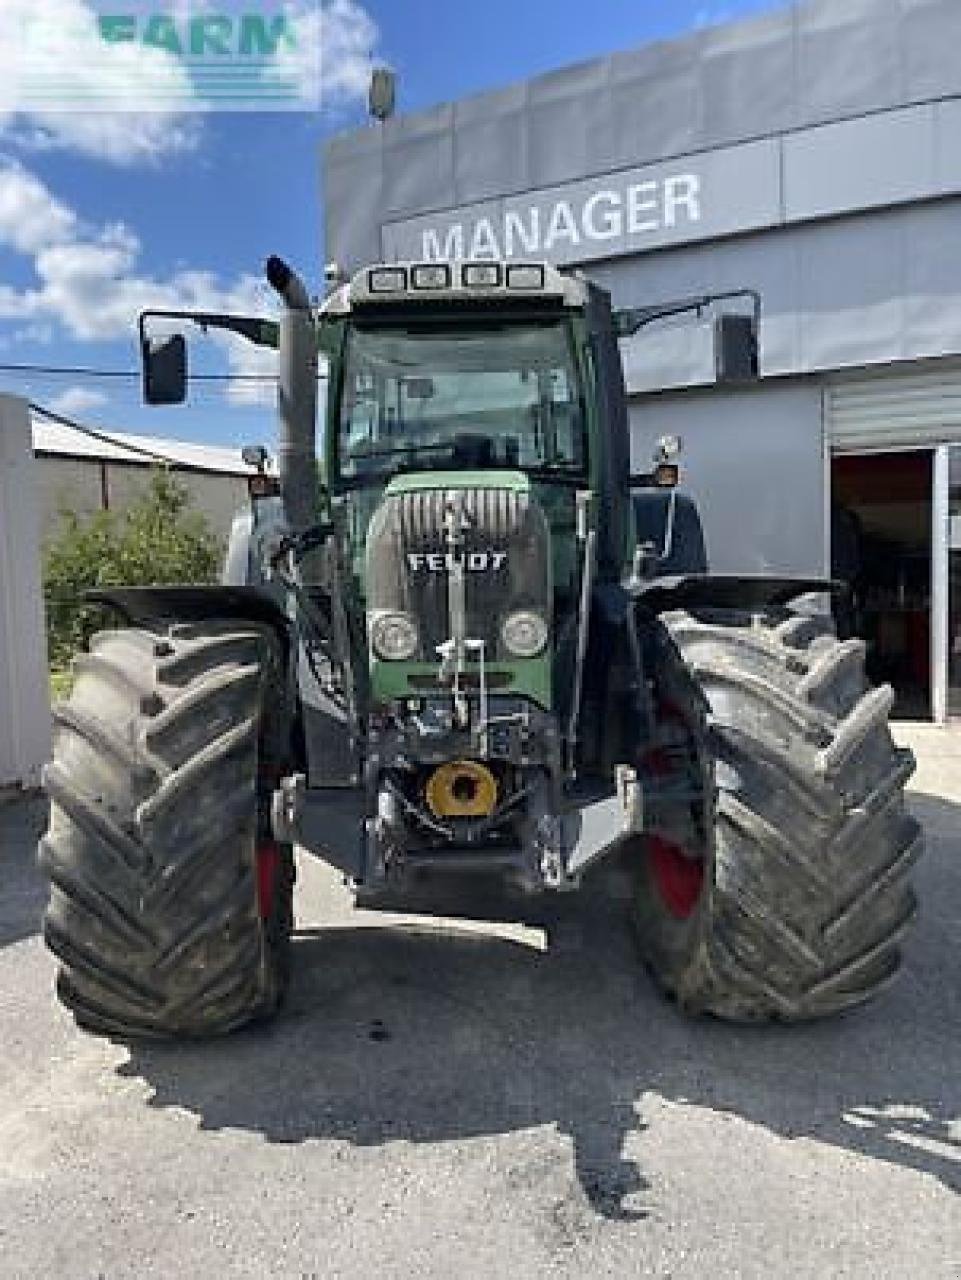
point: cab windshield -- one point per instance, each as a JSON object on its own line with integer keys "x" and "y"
{"x": 490, "y": 395}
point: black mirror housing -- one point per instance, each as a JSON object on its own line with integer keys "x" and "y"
{"x": 165, "y": 370}
{"x": 255, "y": 455}
{"x": 736, "y": 356}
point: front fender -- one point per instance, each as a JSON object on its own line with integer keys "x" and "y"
{"x": 753, "y": 592}
{"x": 143, "y": 606}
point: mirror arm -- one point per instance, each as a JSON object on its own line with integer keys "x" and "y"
{"x": 631, "y": 319}
{"x": 262, "y": 333}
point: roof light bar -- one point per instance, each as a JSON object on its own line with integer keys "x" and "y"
{"x": 387, "y": 280}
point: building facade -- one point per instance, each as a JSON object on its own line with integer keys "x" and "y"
{"x": 813, "y": 154}
{"x": 83, "y": 471}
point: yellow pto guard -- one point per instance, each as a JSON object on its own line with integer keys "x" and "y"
{"x": 462, "y": 789}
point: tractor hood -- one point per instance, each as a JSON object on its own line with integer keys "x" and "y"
{"x": 458, "y": 574}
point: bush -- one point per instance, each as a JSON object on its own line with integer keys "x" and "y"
{"x": 155, "y": 541}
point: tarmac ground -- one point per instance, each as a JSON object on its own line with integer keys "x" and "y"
{"x": 458, "y": 1098}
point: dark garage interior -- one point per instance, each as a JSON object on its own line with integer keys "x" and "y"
{"x": 881, "y": 547}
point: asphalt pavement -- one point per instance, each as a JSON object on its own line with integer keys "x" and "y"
{"x": 468, "y": 1099}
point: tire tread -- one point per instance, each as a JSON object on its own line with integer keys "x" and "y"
{"x": 150, "y": 852}
{"x": 811, "y": 843}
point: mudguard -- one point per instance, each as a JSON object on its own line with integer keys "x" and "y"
{"x": 684, "y": 579}
{"x": 141, "y": 606}
{"x": 687, "y": 549}
{"x": 725, "y": 591}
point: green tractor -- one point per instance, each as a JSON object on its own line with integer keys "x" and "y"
{"x": 477, "y": 644}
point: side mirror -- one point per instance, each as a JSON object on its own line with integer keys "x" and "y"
{"x": 736, "y": 349}
{"x": 165, "y": 370}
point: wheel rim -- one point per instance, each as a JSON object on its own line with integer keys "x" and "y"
{"x": 268, "y": 867}
{"x": 679, "y": 879}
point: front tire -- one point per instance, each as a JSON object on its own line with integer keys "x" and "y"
{"x": 774, "y": 881}
{"x": 170, "y": 906}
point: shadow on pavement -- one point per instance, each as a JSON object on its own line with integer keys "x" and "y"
{"x": 396, "y": 1034}
{"x": 23, "y": 893}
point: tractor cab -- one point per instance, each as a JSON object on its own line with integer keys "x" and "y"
{"x": 461, "y": 457}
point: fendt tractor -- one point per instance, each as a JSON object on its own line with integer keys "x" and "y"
{"x": 471, "y": 640}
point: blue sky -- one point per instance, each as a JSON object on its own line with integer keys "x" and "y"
{"x": 98, "y": 217}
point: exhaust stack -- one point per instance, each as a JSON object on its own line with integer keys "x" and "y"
{"x": 297, "y": 397}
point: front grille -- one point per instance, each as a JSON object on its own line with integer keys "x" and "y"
{"x": 506, "y": 547}
{"x": 492, "y": 513}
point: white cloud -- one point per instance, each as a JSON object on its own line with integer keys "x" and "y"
{"x": 334, "y": 52}
{"x": 57, "y": 44}
{"x": 155, "y": 107}
{"x": 300, "y": 62}
{"x": 76, "y": 401}
{"x": 336, "y": 47}
{"x": 31, "y": 218}
{"x": 90, "y": 281}
{"x": 348, "y": 37}
{"x": 248, "y": 362}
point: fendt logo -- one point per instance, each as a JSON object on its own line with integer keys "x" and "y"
{"x": 446, "y": 561}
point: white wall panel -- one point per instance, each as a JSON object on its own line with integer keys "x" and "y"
{"x": 753, "y": 461}
{"x": 24, "y": 690}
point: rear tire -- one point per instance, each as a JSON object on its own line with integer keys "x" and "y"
{"x": 170, "y": 906}
{"x": 774, "y": 881}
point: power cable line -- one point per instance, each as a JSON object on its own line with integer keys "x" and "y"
{"x": 66, "y": 371}
{"x": 63, "y": 371}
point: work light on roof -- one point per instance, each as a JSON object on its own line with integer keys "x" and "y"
{"x": 382, "y": 94}
{"x": 430, "y": 276}
{"x": 481, "y": 275}
{"x": 387, "y": 280}
{"x": 525, "y": 277}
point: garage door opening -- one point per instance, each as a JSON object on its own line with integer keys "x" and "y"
{"x": 881, "y": 546}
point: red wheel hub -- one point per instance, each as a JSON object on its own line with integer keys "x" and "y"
{"x": 679, "y": 879}
{"x": 268, "y": 868}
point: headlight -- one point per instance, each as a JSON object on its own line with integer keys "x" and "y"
{"x": 525, "y": 277}
{"x": 524, "y": 634}
{"x": 430, "y": 276}
{"x": 481, "y": 275}
{"x": 387, "y": 280}
{"x": 393, "y": 637}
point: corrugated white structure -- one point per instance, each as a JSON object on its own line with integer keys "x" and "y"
{"x": 895, "y": 410}
{"x": 24, "y": 690}
{"x": 84, "y": 470}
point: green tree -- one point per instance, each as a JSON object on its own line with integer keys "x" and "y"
{"x": 157, "y": 540}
